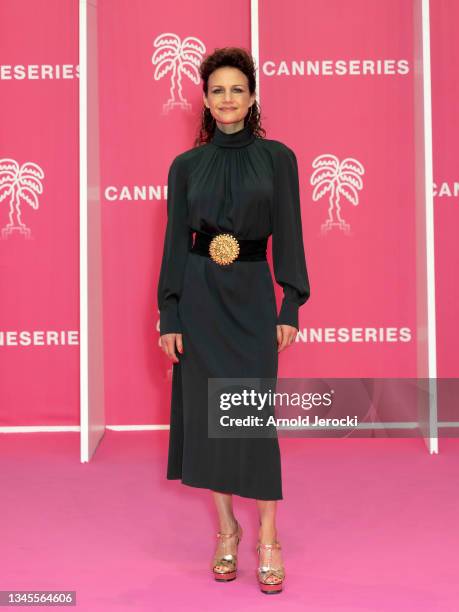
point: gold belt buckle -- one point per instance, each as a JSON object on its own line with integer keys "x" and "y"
{"x": 224, "y": 249}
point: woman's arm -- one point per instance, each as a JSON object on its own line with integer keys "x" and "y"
{"x": 289, "y": 261}
{"x": 177, "y": 241}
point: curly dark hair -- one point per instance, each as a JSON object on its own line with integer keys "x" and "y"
{"x": 235, "y": 57}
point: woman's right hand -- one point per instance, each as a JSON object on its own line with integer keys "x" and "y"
{"x": 169, "y": 342}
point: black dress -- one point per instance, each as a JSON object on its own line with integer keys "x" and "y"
{"x": 248, "y": 186}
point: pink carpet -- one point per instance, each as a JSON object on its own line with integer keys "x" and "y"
{"x": 366, "y": 525}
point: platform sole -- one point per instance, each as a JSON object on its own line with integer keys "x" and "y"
{"x": 228, "y": 577}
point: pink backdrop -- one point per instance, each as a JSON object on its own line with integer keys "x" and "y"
{"x": 336, "y": 80}
{"x": 362, "y": 306}
{"x": 445, "y": 102}
{"x": 39, "y": 337}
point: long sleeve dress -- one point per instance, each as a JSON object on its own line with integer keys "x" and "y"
{"x": 246, "y": 185}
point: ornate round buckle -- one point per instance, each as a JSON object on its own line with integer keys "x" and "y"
{"x": 224, "y": 249}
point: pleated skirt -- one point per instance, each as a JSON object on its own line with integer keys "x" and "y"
{"x": 228, "y": 316}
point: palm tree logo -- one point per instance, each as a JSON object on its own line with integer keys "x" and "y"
{"x": 179, "y": 58}
{"x": 336, "y": 178}
{"x": 20, "y": 184}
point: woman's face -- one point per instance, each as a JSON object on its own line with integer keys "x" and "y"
{"x": 228, "y": 96}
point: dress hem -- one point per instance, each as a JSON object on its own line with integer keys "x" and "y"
{"x": 203, "y": 486}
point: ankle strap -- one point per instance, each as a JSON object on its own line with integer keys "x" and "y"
{"x": 275, "y": 544}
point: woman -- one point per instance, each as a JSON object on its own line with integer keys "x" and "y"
{"x": 216, "y": 298}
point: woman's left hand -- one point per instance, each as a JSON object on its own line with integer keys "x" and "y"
{"x": 286, "y": 334}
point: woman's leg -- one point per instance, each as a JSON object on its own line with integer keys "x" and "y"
{"x": 227, "y": 524}
{"x": 267, "y": 534}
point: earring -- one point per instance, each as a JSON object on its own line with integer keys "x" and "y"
{"x": 250, "y": 114}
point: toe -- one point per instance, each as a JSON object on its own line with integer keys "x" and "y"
{"x": 273, "y": 579}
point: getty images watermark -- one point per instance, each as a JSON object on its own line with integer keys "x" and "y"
{"x": 251, "y": 399}
{"x": 338, "y": 407}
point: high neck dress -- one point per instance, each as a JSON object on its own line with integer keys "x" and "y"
{"x": 246, "y": 185}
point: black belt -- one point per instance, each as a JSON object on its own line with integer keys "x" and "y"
{"x": 224, "y": 248}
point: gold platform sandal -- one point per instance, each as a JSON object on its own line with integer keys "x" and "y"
{"x": 226, "y": 564}
{"x": 266, "y": 572}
